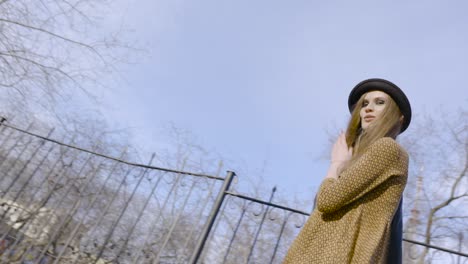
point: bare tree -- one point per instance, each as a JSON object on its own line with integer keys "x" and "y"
{"x": 437, "y": 193}
{"x": 54, "y": 51}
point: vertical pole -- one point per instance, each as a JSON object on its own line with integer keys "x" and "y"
{"x": 244, "y": 209}
{"x": 460, "y": 243}
{"x": 206, "y": 200}
{"x": 212, "y": 217}
{"x": 173, "y": 225}
{"x": 279, "y": 237}
{"x": 261, "y": 224}
{"x": 125, "y": 207}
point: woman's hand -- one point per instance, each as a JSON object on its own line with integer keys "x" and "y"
{"x": 340, "y": 151}
{"x": 339, "y": 156}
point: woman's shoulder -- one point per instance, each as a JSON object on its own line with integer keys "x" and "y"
{"x": 388, "y": 146}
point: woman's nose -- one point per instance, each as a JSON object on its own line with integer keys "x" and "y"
{"x": 369, "y": 108}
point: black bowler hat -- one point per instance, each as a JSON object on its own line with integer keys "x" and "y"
{"x": 387, "y": 87}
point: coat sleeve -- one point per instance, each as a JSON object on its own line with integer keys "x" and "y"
{"x": 365, "y": 174}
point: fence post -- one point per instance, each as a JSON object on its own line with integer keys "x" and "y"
{"x": 261, "y": 224}
{"x": 212, "y": 217}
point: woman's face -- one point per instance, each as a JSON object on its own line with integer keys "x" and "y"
{"x": 372, "y": 107}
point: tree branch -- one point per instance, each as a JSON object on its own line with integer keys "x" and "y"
{"x": 89, "y": 47}
{"x": 45, "y": 68}
{"x": 450, "y": 217}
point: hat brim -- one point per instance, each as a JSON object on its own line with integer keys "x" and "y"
{"x": 376, "y": 84}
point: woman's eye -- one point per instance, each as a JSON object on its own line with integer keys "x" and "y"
{"x": 381, "y": 102}
{"x": 364, "y": 103}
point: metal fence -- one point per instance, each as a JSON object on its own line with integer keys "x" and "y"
{"x": 249, "y": 230}
{"x": 63, "y": 204}
{"x": 259, "y": 231}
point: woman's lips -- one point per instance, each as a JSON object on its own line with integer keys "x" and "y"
{"x": 369, "y": 118}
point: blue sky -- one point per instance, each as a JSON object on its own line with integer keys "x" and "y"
{"x": 263, "y": 81}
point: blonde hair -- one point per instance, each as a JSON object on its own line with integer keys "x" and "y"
{"x": 388, "y": 125}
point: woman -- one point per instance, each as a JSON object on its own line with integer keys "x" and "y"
{"x": 358, "y": 199}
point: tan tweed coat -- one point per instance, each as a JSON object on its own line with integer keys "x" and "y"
{"x": 353, "y": 214}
